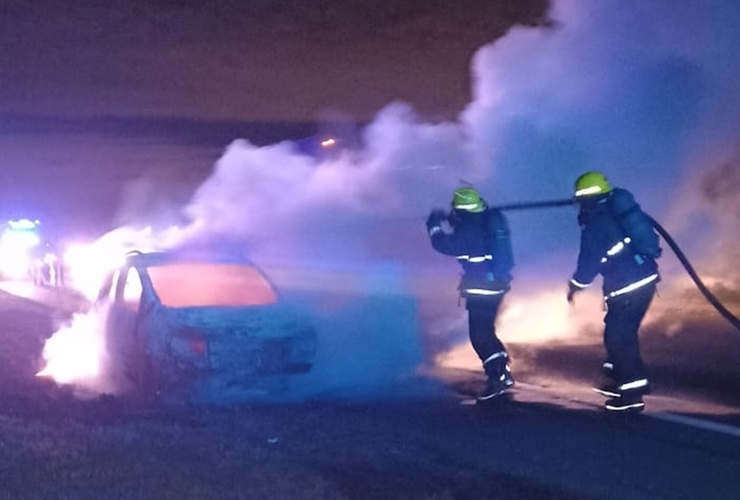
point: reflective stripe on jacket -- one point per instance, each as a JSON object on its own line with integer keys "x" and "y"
{"x": 606, "y": 250}
{"x": 481, "y": 243}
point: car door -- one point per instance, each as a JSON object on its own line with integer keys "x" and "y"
{"x": 124, "y": 318}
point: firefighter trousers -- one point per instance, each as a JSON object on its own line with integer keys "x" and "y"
{"x": 482, "y": 312}
{"x": 623, "y": 317}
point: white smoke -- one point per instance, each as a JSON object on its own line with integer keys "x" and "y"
{"x": 640, "y": 91}
{"x": 646, "y": 92}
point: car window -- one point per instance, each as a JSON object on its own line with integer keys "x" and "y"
{"x": 199, "y": 284}
{"x": 107, "y": 290}
{"x": 112, "y": 291}
{"x": 132, "y": 290}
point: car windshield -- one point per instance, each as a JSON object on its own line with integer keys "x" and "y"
{"x": 199, "y": 284}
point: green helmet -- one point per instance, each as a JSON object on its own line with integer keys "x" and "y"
{"x": 468, "y": 199}
{"x": 592, "y": 184}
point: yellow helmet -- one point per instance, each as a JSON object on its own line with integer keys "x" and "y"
{"x": 468, "y": 199}
{"x": 592, "y": 184}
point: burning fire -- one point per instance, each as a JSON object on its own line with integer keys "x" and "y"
{"x": 88, "y": 263}
{"x": 76, "y": 352}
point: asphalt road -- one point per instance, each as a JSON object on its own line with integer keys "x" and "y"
{"x": 549, "y": 440}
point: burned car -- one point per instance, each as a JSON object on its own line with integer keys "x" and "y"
{"x": 179, "y": 323}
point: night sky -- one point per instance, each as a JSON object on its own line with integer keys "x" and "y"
{"x": 256, "y": 60}
{"x": 96, "y": 97}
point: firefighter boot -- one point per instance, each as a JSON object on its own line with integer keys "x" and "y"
{"x": 630, "y": 402}
{"x": 606, "y": 384}
{"x": 500, "y": 379}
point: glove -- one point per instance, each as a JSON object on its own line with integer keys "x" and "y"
{"x": 435, "y": 218}
{"x": 572, "y": 290}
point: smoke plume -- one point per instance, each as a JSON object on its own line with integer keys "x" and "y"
{"x": 646, "y": 92}
{"x": 639, "y": 91}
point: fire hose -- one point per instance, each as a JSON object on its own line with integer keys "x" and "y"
{"x": 711, "y": 298}
{"x": 695, "y": 277}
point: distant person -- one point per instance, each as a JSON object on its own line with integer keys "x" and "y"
{"x": 619, "y": 242}
{"x": 478, "y": 237}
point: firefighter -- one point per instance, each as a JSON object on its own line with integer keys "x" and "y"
{"x": 618, "y": 241}
{"x": 478, "y": 237}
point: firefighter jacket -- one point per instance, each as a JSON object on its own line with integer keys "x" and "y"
{"x": 481, "y": 242}
{"x": 607, "y": 249}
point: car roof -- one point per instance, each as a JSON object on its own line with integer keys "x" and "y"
{"x": 154, "y": 258}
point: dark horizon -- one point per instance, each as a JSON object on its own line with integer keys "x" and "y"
{"x": 209, "y": 133}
